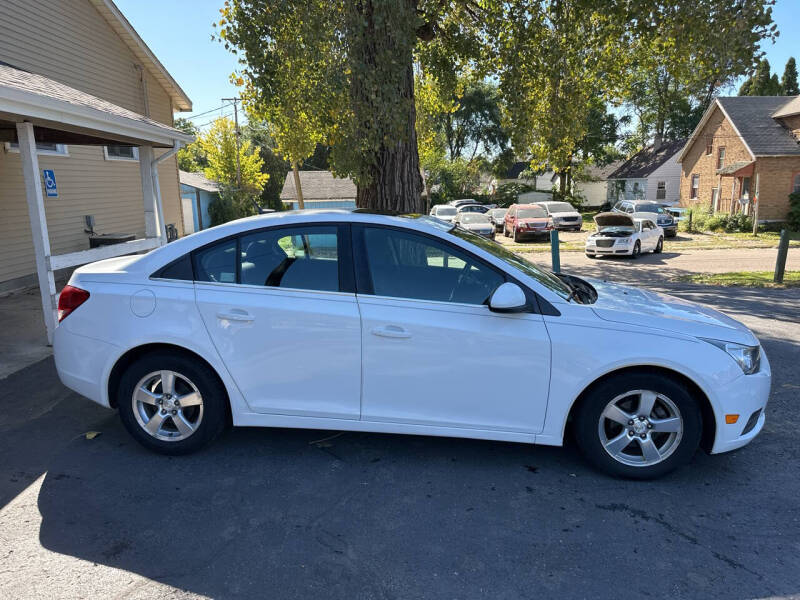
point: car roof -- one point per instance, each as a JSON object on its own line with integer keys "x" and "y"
{"x": 531, "y": 205}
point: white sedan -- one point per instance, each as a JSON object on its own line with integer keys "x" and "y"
{"x": 339, "y": 320}
{"x": 620, "y": 234}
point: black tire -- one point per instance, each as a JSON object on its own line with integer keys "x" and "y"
{"x": 214, "y": 401}
{"x": 637, "y": 249}
{"x": 588, "y": 413}
{"x": 659, "y": 246}
{"x": 516, "y": 237}
{"x": 505, "y": 231}
{"x": 591, "y": 255}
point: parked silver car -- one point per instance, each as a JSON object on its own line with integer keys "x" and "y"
{"x": 475, "y": 222}
{"x": 563, "y": 214}
{"x": 497, "y": 217}
{"x": 646, "y": 209}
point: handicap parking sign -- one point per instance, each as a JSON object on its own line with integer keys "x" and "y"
{"x": 50, "y": 189}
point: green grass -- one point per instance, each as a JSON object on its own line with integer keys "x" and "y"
{"x": 744, "y": 278}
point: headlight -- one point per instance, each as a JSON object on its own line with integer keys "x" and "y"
{"x": 747, "y": 357}
{"x": 625, "y": 241}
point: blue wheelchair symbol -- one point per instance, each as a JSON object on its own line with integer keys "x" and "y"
{"x": 50, "y": 188}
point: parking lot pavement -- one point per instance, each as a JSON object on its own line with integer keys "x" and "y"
{"x": 281, "y": 514}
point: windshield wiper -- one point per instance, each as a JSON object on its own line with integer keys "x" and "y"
{"x": 574, "y": 291}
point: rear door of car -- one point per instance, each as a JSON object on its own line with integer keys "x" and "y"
{"x": 280, "y": 307}
{"x": 429, "y": 338}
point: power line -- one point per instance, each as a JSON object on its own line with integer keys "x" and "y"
{"x": 207, "y": 112}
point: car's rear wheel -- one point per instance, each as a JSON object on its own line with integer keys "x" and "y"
{"x": 516, "y": 237}
{"x": 171, "y": 404}
{"x": 638, "y": 426}
{"x": 659, "y": 246}
{"x": 505, "y": 230}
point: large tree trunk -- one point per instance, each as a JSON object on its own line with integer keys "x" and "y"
{"x": 391, "y": 180}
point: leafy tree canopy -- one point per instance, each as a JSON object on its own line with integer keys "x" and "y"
{"x": 190, "y": 158}
{"x": 341, "y": 72}
{"x": 762, "y": 82}
{"x": 789, "y": 85}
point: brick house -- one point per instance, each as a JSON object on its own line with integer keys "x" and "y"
{"x": 744, "y": 156}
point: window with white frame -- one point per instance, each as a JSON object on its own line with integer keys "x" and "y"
{"x": 695, "y": 186}
{"x": 661, "y": 190}
{"x": 42, "y": 148}
{"x": 121, "y": 152}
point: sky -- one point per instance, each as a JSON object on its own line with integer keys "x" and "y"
{"x": 179, "y": 33}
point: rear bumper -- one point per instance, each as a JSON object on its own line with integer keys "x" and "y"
{"x": 743, "y": 396}
{"x": 533, "y": 233}
{"x": 81, "y": 363}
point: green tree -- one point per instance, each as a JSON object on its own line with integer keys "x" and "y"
{"x": 257, "y": 132}
{"x": 683, "y": 53}
{"x": 190, "y": 157}
{"x": 475, "y": 124}
{"x": 341, "y": 72}
{"x": 762, "y": 83}
{"x": 240, "y": 184}
{"x": 789, "y": 85}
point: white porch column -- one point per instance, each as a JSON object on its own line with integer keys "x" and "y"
{"x": 41, "y": 239}
{"x": 148, "y": 191}
{"x": 162, "y": 225}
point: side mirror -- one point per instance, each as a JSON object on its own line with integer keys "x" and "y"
{"x": 508, "y": 298}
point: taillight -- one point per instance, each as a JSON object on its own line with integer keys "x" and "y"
{"x": 70, "y": 299}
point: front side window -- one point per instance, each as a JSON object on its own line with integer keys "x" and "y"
{"x": 301, "y": 258}
{"x": 695, "y": 186}
{"x": 408, "y": 265}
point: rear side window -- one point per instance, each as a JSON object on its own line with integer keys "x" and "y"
{"x": 216, "y": 263}
{"x": 304, "y": 258}
{"x": 177, "y": 269}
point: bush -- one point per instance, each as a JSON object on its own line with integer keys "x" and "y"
{"x": 506, "y": 194}
{"x": 794, "y": 211}
{"x": 703, "y": 219}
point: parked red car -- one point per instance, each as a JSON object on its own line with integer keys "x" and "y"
{"x": 527, "y": 221}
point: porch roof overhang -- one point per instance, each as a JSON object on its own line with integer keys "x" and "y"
{"x": 61, "y": 114}
{"x": 743, "y": 168}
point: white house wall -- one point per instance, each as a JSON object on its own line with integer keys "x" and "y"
{"x": 670, "y": 173}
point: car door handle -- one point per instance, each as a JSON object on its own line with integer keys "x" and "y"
{"x": 391, "y": 331}
{"x": 236, "y": 315}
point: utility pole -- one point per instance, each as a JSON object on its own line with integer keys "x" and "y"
{"x": 236, "y": 135}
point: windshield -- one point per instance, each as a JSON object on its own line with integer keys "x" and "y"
{"x": 560, "y": 207}
{"x": 531, "y": 213}
{"x": 653, "y": 208}
{"x": 446, "y": 211}
{"x": 515, "y": 260}
{"x": 617, "y": 229}
{"x": 498, "y": 212}
{"x": 473, "y": 218}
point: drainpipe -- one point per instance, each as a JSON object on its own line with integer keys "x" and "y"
{"x": 162, "y": 227}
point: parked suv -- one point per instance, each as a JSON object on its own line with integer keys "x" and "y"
{"x": 645, "y": 209}
{"x": 563, "y": 214}
{"x": 526, "y": 221}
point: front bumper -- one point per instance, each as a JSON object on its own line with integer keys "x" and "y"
{"x": 568, "y": 225}
{"x": 610, "y": 251}
{"x": 743, "y": 396}
{"x": 670, "y": 230}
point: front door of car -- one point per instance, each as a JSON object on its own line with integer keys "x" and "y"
{"x": 650, "y": 235}
{"x": 279, "y": 306}
{"x": 433, "y": 352}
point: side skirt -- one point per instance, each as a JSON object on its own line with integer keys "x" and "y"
{"x": 293, "y": 422}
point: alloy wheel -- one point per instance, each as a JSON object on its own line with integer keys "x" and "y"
{"x": 167, "y": 405}
{"x": 640, "y": 428}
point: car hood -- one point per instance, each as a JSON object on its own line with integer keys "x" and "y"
{"x": 635, "y": 306}
{"x": 536, "y": 220}
{"x": 612, "y": 219}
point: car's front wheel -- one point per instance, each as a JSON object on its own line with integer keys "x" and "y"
{"x": 637, "y": 249}
{"x": 638, "y": 426}
{"x": 170, "y": 403}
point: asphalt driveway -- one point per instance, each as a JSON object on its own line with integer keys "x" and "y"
{"x": 281, "y": 514}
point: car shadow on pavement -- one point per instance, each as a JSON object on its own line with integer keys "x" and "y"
{"x": 283, "y": 513}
